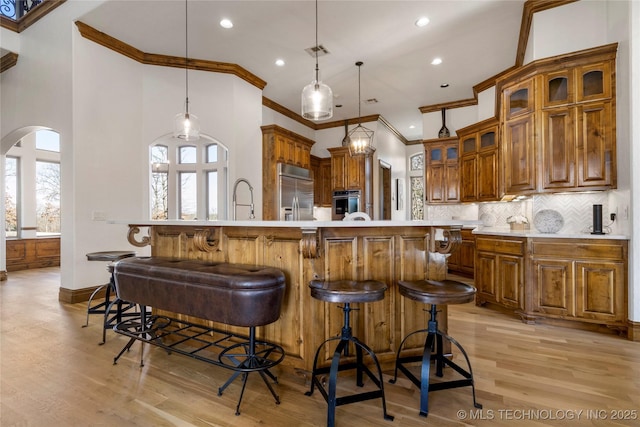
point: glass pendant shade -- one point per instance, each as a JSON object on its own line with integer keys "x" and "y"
{"x": 317, "y": 97}
{"x": 359, "y": 141}
{"x": 186, "y": 127}
{"x": 317, "y": 101}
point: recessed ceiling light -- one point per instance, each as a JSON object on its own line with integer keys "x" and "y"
{"x": 436, "y": 61}
{"x": 280, "y": 62}
{"x": 444, "y": 85}
{"x": 422, "y": 21}
{"x": 226, "y": 23}
{"x": 412, "y": 127}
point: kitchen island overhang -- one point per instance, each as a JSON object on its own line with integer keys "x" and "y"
{"x": 388, "y": 251}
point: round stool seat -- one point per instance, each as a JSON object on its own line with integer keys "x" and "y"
{"x": 109, "y": 255}
{"x": 348, "y": 290}
{"x": 437, "y": 292}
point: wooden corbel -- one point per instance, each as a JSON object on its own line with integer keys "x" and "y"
{"x": 145, "y": 241}
{"x": 204, "y": 243}
{"x": 451, "y": 239}
{"x": 310, "y": 243}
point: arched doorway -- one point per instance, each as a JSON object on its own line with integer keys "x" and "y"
{"x": 30, "y": 188}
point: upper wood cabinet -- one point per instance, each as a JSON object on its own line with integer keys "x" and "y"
{"x": 280, "y": 145}
{"x": 442, "y": 178}
{"x": 558, "y": 124}
{"x": 322, "y": 181}
{"x": 479, "y": 167}
{"x": 349, "y": 173}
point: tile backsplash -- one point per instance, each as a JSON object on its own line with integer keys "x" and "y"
{"x": 575, "y": 208}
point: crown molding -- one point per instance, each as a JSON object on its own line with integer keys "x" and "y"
{"x": 131, "y": 52}
{"x": 7, "y": 61}
{"x": 269, "y": 103}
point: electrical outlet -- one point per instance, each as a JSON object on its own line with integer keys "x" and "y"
{"x": 98, "y": 216}
{"x": 613, "y": 216}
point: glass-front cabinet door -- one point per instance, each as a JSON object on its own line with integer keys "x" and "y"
{"x": 594, "y": 81}
{"x": 558, "y": 88}
{"x": 518, "y": 99}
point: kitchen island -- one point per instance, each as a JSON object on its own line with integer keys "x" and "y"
{"x": 304, "y": 250}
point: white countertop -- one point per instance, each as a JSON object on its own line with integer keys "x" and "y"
{"x": 303, "y": 224}
{"x": 506, "y": 231}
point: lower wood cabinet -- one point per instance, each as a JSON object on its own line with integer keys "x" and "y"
{"x": 579, "y": 280}
{"x": 500, "y": 271}
{"x": 462, "y": 260}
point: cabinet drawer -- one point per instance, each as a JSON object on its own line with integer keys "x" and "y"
{"x": 580, "y": 249}
{"x": 503, "y": 246}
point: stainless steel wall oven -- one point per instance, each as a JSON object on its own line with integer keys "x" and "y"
{"x": 345, "y": 201}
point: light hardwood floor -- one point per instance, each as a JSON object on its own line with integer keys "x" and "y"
{"x": 54, "y": 373}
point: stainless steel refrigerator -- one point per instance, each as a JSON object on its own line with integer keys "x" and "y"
{"x": 295, "y": 193}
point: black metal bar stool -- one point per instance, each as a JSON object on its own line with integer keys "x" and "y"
{"x": 347, "y": 292}
{"x": 435, "y": 292}
{"x": 111, "y": 315}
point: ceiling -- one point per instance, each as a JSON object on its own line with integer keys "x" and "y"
{"x": 476, "y": 39}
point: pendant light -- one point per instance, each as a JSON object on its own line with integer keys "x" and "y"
{"x": 317, "y": 97}
{"x": 186, "y": 125}
{"x": 360, "y": 139}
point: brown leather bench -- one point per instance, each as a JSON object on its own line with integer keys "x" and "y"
{"x": 233, "y": 294}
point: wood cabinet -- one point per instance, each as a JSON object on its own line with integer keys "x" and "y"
{"x": 479, "y": 162}
{"x": 462, "y": 260}
{"x": 577, "y": 128}
{"x": 280, "y": 145}
{"x": 349, "y": 173}
{"x": 518, "y": 137}
{"x": 322, "y": 181}
{"x": 442, "y": 179}
{"x": 24, "y": 254}
{"x": 578, "y": 279}
{"x": 499, "y": 274}
{"x": 558, "y": 124}
{"x": 581, "y": 281}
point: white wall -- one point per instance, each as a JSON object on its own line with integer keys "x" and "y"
{"x": 634, "y": 158}
{"x": 132, "y": 106}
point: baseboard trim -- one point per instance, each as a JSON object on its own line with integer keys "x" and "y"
{"x": 634, "y": 331}
{"x": 73, "y": 296}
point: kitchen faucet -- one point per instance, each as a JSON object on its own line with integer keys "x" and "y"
{"x": 235, "y": 204}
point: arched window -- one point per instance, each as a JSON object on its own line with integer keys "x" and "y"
{"x": 188, "y": 180}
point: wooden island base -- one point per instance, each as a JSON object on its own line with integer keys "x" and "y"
{"x": 321, "y": 250}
